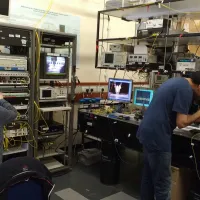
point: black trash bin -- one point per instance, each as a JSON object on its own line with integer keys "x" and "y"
{"x": 110, "y": 164}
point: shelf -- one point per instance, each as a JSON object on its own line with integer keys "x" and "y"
{"x": 135, "y": 67}
{"x": 152, "y": 10}
{"x": 92, "y": 137}
{"x": 53, "y": 100}
{"x": 48, "y": 80}
{"x": 25, "y": 135}
{"x": 16, "y": 95}
{"x": 13, "y": 84}
{"x": 52, "y": 164}
{"x": 55, "y": 46}
{"x": 50, "y": 153}
{"x": 55, "y": 109}
{"x": 185, "y": 39}
{"x": 15, "y": 150}
{"x": 49, "y": 135}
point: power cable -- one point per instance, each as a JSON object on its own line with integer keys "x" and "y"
{"x": 166, "y": 39}
{"x": 116, "y": 149}
{"x": 45, "y": 14}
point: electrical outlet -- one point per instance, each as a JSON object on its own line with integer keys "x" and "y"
{"x": 85, "y": 89}
{"x": 93, "y": 89}
{"x": 102, "y": 89}
{"x": 78, "y": 90}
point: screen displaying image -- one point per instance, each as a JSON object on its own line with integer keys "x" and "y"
{"x": 143, "y": 97}
{"x": 55, "y": 65}
{"x": 120, "y": 90}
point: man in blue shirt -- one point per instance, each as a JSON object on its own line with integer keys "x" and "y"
{"x": 168, "y": 109}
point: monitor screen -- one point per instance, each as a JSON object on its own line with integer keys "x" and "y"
{"x": 120, "y": 90}
{"x": 46, "y": 93}
{"x": 55, "y": 65}
{"x": 143, "y": 97}
{"x": 109, "y": 58}
{"x": 4, "y": 7}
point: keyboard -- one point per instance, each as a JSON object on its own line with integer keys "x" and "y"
{"x": 53, "y": 109}
{"x": 189, "y": 128}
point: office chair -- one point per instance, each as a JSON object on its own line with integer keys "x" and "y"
{"x": 25, "y": 179}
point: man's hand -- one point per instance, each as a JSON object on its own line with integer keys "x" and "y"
{"x": 1, "y": 95}
{"x": 183, "y": 120}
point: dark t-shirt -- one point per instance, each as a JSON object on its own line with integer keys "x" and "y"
{"x": 174, "y": 96}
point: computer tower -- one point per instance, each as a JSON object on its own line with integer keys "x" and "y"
{"x": 110, "y": 164}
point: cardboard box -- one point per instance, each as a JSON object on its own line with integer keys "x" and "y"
{"x": 180, "y": 183}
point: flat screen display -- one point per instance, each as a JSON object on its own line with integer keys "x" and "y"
{"x": 143, "y": 97}
{"x": 46, "y": 93}
{"x": 55, "y": 65}
{"x": 120, "y": 90}
{"x": 109, "y": 58}
{"x": 4, "y": 7}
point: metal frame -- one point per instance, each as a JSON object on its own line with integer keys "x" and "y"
{"x": 69, "y": 118}
{"x": 31, "y": 60}
{"x": 188, "y": 38}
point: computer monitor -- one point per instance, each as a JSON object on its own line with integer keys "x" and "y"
{"x": 4, "y": 7}
{"x": 120, "y": 90}
{"x": 53, "y": 66}
{"x": 114, "y": 59}
{"x": 143, "y": 96}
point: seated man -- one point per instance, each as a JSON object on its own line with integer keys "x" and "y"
{"x": 7, "y": 114}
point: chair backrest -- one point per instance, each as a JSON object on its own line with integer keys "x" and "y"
{"x": 29, "y": 178}
{"x": 31, "y": 190}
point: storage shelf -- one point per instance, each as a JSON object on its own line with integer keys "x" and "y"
{"x": 55, "y": 46}
{"x": 187, "y": 38}
{"x": 53, "y": 100}
{"x": 49, "y": 154}
{"x": 152, "y": 10}
{"x": 50, "y": 135}
{"x": 48, "y": 80}
{"x": 15, "y": 150}
{"x": 13, "y": 84}
{"x": 55, "y": 109}
{"x": 92, "y": 137}
{"x": 135, "y": 67}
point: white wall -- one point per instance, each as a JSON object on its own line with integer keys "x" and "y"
{"x": 87, "y": 10}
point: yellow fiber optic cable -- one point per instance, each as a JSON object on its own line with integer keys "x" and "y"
{"x": 45, "y": 14}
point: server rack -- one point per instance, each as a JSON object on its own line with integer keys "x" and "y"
{"x": 17, "y": 42}
{"x": 56, "y": 159}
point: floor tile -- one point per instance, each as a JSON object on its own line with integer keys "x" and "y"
{"x": 69, "y": 194}
{"x": 119, "y": 196}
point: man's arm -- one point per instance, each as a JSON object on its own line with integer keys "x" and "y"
{"x": 182, "y": 104}
{"x": 183, "y": 120}
{"x": 197, "y": 121}
{"x": 7, "y": 112}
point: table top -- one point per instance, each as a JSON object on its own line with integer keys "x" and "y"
{"x": 185, "y": 132}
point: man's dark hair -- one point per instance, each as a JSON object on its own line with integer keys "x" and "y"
{"x": 195, "y": 76}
